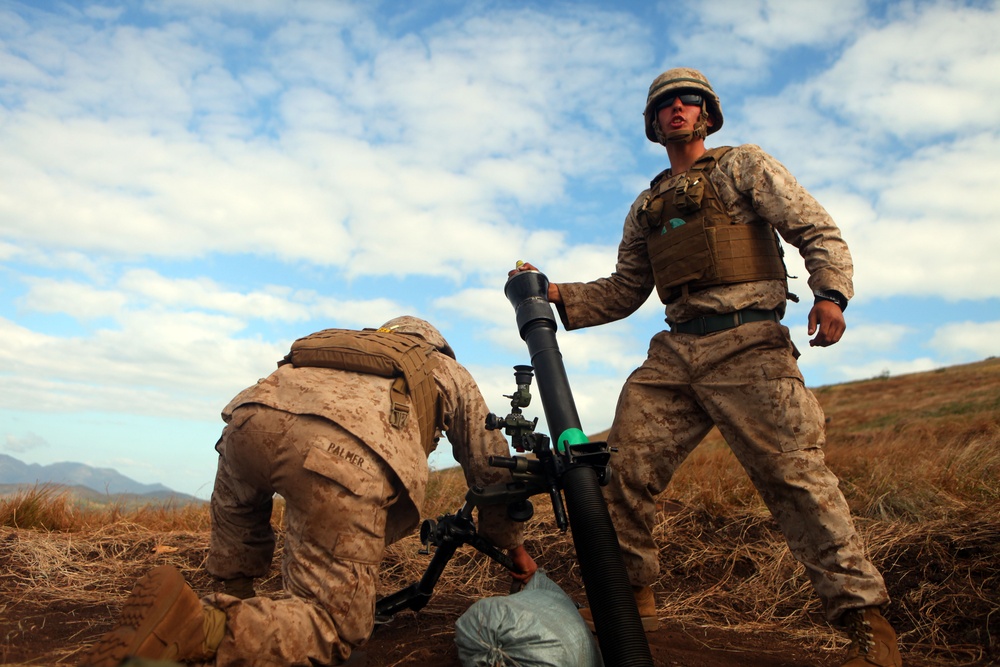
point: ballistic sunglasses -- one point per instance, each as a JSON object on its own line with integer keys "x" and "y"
{"x": 690, "y": 99}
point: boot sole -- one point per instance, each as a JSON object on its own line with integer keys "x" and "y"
{"x": 151, "y": 606}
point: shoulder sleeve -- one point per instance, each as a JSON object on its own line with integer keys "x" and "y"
{"x": 779, "y": 199}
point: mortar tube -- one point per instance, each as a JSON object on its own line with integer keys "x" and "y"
{"x": 616, "y": 618}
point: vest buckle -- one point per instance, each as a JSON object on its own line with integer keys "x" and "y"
{"x": 399, "y": 414}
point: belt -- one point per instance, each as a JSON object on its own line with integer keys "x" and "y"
{"x": 712, "y": 323}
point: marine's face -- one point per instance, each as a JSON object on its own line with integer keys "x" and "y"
{"x": 678, "y": 115}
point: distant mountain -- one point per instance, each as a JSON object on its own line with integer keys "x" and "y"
{"x": 102, "y": 481}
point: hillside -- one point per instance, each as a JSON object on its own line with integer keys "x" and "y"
{"x": 88, "y": 497}
{"x": 938, "y": 399}
{"x": 89, "y": 484}
{"x": 919, "y": 461}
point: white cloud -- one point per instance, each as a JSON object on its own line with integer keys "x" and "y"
{"x": 272, "y": 304}
{"x": 737, "y": 43}
{"x": 595, "y": 398}
{"x": 617, "y": 348}
{"x": 357, "y": 313}
{"x": 163, "y": 346}
{"x": 80, "y": 301}
{"x": 139, "y": 290}
{"x": 102, "y": 12}
{"x": 485, "y": 304}
{"x": 24, "y": 443}
{"x": 90, "y": 185}
{"x": 783, "y": 24}
{"x": 322, "y": 11}
{"x": 935, "y": 233}
{"x": 151, "y": 363}
{"x": 967, "y": 341}
{"x": 929, "y": 72}
{"x": 904, "y": 154}
{"x": 576, "y": 262}
{"x": 142, "y": 146}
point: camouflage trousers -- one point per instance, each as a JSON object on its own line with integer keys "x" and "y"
{"x": 336, "y": 496}
{"x": 745, "y": 381}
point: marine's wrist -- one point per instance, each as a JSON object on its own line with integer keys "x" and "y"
{"x": 831, "y": 295}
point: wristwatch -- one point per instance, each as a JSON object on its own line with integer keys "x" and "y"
{"x": 832, "y": 295}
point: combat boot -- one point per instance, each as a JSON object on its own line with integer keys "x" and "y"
{"x": 646, "y": 603}
{"x": 162, "y": 619}
{"x": 873, "y": 641}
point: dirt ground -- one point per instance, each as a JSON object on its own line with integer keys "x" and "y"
{"x": 34, "y": 635}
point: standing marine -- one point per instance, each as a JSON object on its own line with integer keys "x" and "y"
{"x": 704, "y": 235}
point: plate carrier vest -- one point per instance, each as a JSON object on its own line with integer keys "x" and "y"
{"x": 407, "y": 359}
{"x": 692, "y": 241}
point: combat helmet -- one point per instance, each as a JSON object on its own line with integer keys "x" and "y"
{"x": 409, "y": 324}
{"x": 674, "y": 81}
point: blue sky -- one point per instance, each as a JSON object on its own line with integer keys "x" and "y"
{"x": 186, "y": 186}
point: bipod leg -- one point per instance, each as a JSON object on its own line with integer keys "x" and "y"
{"x": 448, "y": 534}
{"x": 484, "y": 546}
{"x": 416, "y": 595}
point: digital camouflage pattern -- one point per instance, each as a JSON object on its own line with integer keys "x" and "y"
{"x": 744, "y": 380}
{"x": 354, "y": 402}
{"x": 352, "y": 483}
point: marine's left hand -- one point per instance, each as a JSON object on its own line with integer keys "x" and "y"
{"x": 524, "y": 564}
{"x": 827, "y": 317}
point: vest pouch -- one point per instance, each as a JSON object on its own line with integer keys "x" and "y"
{"x": 679, "y": 254}
{"x": 745, "y": 253}
{"x": 650, "y": 212}
{"x": 688, "y": 194}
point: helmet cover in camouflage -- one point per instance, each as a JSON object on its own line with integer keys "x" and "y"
{"x": 673, "y": 82}
{"x": 422, "y": 328}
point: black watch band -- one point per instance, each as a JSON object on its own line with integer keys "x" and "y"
{"x": 832, "y": 295}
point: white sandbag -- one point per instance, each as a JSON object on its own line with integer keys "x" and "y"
{"x": 538, "y": 626}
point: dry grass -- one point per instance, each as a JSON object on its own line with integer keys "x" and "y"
{"x": 51, "y": 507}
{"x": 919, "y": 461}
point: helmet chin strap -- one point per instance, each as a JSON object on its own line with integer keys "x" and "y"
{"x": 683, "y": 136}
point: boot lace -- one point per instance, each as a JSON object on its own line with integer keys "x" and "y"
{"x": 860, "y": 632}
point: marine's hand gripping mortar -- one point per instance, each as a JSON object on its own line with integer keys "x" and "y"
{"x": 575, "y": 469}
